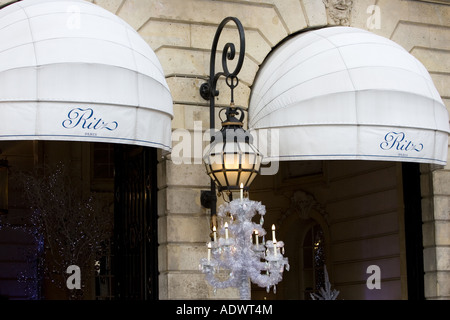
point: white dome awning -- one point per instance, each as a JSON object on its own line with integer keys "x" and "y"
{"x": 346, "y": 93}
{"x": 71, "y": 70}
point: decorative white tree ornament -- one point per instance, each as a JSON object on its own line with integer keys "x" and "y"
{"x": 237, "y": 249}
{"x": 325, "y": 293}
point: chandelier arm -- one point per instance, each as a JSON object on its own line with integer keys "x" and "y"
{"x": 241, "y": 254}
{"x": 220, "y": 284}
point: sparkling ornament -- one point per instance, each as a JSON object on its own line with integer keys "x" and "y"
{"x": 66, "y": 226}
{"x": 261, "y": 263}
{"x": 325, "y": 293}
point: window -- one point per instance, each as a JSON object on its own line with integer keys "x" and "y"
{"x": 104, "y": 279}
{"x": 313, "y": 261}
{"x": 103, "y": 161}
{"x": 102, "y": 166}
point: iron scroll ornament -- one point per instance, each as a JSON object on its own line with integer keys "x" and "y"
{"x": 208, "y": 89}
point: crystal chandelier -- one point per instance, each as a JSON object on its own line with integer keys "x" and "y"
{"x": 240, "y": 250}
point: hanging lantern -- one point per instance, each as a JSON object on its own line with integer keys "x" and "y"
{"x": 232, "y": 161}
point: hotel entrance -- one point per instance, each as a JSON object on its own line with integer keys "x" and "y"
{"x": 346, "y": 216}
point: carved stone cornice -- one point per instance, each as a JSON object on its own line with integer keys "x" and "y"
{"x": 302, "y": 205}
{"x": 338, "y": 11}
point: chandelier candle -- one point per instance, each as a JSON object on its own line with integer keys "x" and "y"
{"x": 226, "y": 230}
{"x": 236, "y": 254}
{"x": 209, "y": 251}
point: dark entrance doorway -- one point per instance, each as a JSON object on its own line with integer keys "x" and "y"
{"x": 413, "y": 230}
{"x": 135, "y": 223}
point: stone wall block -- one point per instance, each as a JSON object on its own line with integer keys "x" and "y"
{"x": 443, "y": 258}
{"x": 443, "y": 285}
{"x": 186, "y": 90}
{"x": 442, "y": 207}
{"x": 442, "y": 233}
{"x": 256, "y": 47}
{"x": 184, "y": 201}
{"x": 441, "y": 182}
{"x": 110, "y": 5}
{"x": 158, "y": 33}
{"x": 187, "y": 228}
{"x": 428, "y": 234}
{"x": 315, "y": 12}
{"x": 185, "y": 257}
{"x": 429, "y": 259}
{"x": 187, "y": 174}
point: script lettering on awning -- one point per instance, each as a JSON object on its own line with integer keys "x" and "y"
{"x": 84, "y": 118}
{"x": 397, "y": 141}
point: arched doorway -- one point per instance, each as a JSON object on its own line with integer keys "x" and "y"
{"x": 333, "y": 98}
{"x": 358, "y": 207}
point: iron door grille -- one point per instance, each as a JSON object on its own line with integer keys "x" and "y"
{"x": 135, "y": 223}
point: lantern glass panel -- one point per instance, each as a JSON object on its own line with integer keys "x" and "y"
{"x": 232, "y": 177}
{"x": 252, "y": 177}
{"x": 244, "y": 178}
{"x": 216, "y": 161}
{"x": 248, "y": 161}
{"x": 231, "y": 161}
{"x": 231, "y": 147}
{"x": 220, "y": 178}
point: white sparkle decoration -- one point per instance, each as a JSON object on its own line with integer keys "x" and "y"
{"x": 239, "y": 256}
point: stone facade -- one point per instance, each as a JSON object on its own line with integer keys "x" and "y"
{"x": 181, "y": 32}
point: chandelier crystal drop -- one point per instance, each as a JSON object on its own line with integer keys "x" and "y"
{"x": 239, "y": 250}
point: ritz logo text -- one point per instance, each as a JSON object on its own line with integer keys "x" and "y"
{"x": 86, "y": 119}
{"x": 398, "y": 141}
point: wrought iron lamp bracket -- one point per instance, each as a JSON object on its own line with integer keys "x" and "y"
{"x": 208, "y": 89}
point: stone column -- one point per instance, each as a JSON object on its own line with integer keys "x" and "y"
{"x": 183, "y": 231}
{"x": 436, "y": 231}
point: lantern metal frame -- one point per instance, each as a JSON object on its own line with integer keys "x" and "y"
{"x": 232, "y": 128}
{"x": 239, "y": 165}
